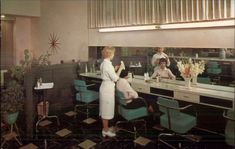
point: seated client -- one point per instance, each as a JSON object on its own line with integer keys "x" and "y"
{"x": 133, "y": 101}
{"x": 162, "y": 71}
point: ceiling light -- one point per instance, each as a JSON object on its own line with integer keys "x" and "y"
{"x": 129, "y": 28}
{"x": 3, "y": 16}
{"x": 222, "y": 23}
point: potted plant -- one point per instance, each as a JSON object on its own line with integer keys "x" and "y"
{"x": 12, "y": 97}
{"x": 12, "y": 101}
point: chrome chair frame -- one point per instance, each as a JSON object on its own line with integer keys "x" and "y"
{"x": 230, "y": 119}
{"x": 135, "y": 131}
{"x": 192, "y": 138}
{"x": 87, "y": 105}
{"x": 13, "y": 134}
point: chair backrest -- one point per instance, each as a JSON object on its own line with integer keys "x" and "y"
{"x": 80, "y": 85}
{"x": 231, "y": 114}
{"x": 121, "y": 97}
{"x": 165, "y": 105}
{"x": 205, "y": 80}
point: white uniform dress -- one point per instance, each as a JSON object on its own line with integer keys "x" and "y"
{"x": 107, "y": 89}
{"x": 158, "y": 56}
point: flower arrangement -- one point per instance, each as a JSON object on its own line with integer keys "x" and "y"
{"x": 190, "y": 69}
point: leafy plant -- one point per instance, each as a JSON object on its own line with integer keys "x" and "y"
{"x": 18, "y": 71}
{"x": 12, "y": 98}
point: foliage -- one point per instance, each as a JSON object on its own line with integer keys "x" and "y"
{"x": 42, "y": 60}
{"x": 18, "y": 71}
{"x": 12, "y": 98}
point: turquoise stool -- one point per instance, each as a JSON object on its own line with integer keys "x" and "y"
{"x": 176, "y": 121}
{"x": 229, "y": 128}
{"x": 10, "y": 119}
{"x": 130, "y": 115}
{"x": 84, "y": 95}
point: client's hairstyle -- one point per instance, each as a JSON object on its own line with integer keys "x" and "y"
{"x": 162, "y": 60}
{"x": 124, "y": 73}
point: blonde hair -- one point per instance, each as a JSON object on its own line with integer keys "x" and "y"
{"x": 108, "y": 52}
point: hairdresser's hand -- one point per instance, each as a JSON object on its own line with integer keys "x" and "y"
{"x": 122, "y": 66}
{"x": 116, "y": 67}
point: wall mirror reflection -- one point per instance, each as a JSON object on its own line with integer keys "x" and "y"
{"x": 219, "y": 62}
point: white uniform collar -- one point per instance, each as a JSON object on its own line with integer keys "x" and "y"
{"x": 107, "y": 60}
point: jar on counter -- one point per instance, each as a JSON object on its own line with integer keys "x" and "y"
{"x": 222, "y": 53}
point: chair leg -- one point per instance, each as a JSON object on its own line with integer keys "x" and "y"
{"x": 2, "y": 144}
{"x": 54, "y": 116}
{"x": 134, "y": 127}
{"x": 17, "y": 130}
{"x": 192, "y": 138}
{"x": 87, "y": 111}
{"x": 18, "y": 141}
{"x": 164, "y": 142}
{"x": 135, "y": 132}
{"x": 45, "y": 144}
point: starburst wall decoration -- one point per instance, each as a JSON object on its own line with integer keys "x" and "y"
{"x": 53, "y": 42}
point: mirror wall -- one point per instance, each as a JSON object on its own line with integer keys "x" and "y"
{"x": 219, "y": 68}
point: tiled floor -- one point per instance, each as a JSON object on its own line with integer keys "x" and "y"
{"x": 75, "y": 133}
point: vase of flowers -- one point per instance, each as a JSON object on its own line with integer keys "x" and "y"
{"x": 194, "y": 80}
{"x": 190, "y": 69}
{"x": 187, "y": 82}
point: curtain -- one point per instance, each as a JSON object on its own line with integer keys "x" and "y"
{"x": 114, "y": 13}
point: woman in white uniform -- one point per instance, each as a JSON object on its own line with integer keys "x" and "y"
{"x": 156, "y": 57}
{"x": 107, "y": 89}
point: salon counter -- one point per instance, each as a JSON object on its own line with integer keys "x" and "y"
{"x": 204, "y": 94}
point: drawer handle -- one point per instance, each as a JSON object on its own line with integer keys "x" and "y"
{"x": 139, "y": 88}
{"x": 185, "y": 96}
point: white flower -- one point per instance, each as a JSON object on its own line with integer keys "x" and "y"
{"x": 189, "y": 68}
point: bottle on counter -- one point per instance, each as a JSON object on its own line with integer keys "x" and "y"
{"x": 86, "y": 70}
{"x": 146, "y": 76}
{"x": 40, "y": 81}
{"x": 222, "y": 54}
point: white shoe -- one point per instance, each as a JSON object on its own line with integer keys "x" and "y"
{"x": 111, "y": 129}
{"x": 108, "y": 133}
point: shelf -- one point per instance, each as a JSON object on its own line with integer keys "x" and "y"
{"x": 205, "y": 58}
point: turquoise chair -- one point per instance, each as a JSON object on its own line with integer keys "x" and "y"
{"x": 130, "y": 115}
{"x": 176, "y": 121}
{"x": 229, "y": 128}
{"x": 84, "y": 95}
{"x": 213, "y": 70}
{"x": 204, "y": 80}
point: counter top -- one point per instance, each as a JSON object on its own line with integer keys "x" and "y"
{"x": 205, "y": 58}
{"x": 172, "y": 83}
{"x": 176, "y": 89}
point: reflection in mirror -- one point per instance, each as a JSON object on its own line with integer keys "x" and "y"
{"x": 219, "y": 67}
